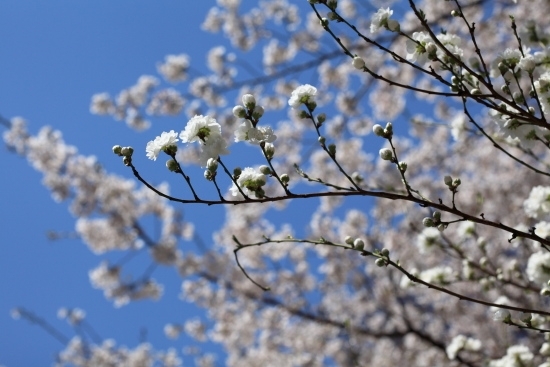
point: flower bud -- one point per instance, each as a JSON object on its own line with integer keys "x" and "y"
{"x": 393, "y": 25}
{"x": 332, "y": 150}
{"x": 258, "y": 112}
{"x": 209, "y": 175}
{"x": 358, "y": 63}
{"x": 172, "y": 165}
{"x": 380, "y": 262}
{"x": 332, "y": 15}
{"x": 265, "y": 170}
{"x": 428, "y": 222}
{"x": 502, "y": 315}
{"x": 356, "y": 176}
{"x": 349, "y": 240}
{"x": 386, "y": 154}
{"x": 303, "y": 114}
{"x": 324, "y": 22}
{"x": 321, "y": 140}
{"x": 321, "y": 118}
{"x": 239, "y": 111}
{"x": 269, "y": 150}
{"x": 385, "y": 252}
{"x": 285, "y": 178}
{"x": 359, "y": 244}
{"x": 249, "y": 101}
{"x": 237, "y": 171}
{"x": 403, "y": 167}
{"x": 117, "y": 149}
{"x": 475, "y": 92}
{"x": 437, "y": 215}
{"x": 127, "y": 151}
{"x": 448, "y": 180}
{"x": 212, "y": 164}
{"x": 545, "y": 292}
{"x": 126, "y": 160}
{"x": 378, "y": 130}
{"x": 456, "y": 182}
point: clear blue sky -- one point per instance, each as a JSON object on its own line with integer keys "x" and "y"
{"x": 54, "y": 56}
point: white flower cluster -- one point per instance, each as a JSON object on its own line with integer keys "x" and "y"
{"x": 249, "y": 130}
{"x": 80, "y": 353}
{"x": 203, "y": 129}
{"x": 538, "y": 202}
{"x": 381, "y": 19}
{"x": 108, "y": 279}
{"x": 461, "y": 342}
{"x": 538, "y": 268}
{"x": 304, "y": 94}
{"x": 423, "y": 48}
{"x": 174, "y": 68}
{"x": 516, "y": 355}
{"x": 250, "y": 181}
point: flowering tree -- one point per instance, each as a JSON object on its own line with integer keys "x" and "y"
{"x": 434, "y": 251}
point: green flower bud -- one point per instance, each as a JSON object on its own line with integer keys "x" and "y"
{"x": 172, "y": 165}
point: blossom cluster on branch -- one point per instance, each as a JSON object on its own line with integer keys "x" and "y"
{"x": 430, "y": 240}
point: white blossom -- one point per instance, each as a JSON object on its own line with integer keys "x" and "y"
{"x": 165, "y": 140}
{"x": 303, "y": 94}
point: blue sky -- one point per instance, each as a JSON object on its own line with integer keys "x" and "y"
{"x": 54, "y": 56}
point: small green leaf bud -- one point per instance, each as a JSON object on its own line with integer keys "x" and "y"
{"x": 127, "y": 151}
{"x": 356, "y": 176}
{"x": 303, "y": 114}
{"x": 117, "y": 150}
{"x": 265, "y": 170}
{"x": 172, "y": 165}
{"x": 311, "y": 105}
{"x": 386, "y": 154}
{"x": 239, "y": 111}
{"x": 448, "y": 180}
{"x": 428, "y": 222}
{"x": 284, "y": 178}
{"x": 332, "y": 16}
{"x": 212, "y": 164}
{"x": 321, "y": 118}
{"x": 359, "y": 244}
{"x": 378, "y": 130}
{"x": 332, "y": 150}
{"x": 456, "y": 182}
{"x": 209, "y": 175}
{"x": 249, "y": 101}
{"x": 403, "y": 167}
{"x": 258, "y": 112}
